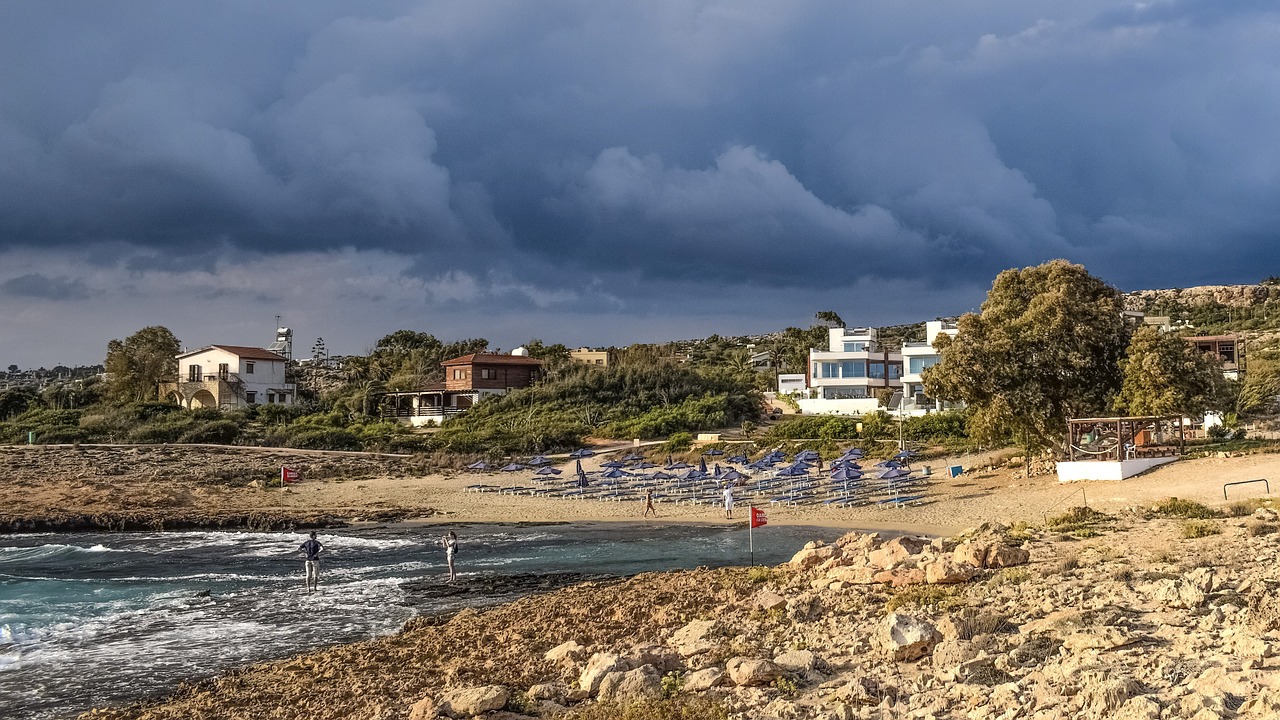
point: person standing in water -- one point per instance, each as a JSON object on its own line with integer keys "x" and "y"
{"x": 450, "y": 544}
{"x": 648, "y": 503}
{"x": 312, "y": 549}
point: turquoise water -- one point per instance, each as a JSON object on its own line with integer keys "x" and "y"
{"x": 94, "y": 619}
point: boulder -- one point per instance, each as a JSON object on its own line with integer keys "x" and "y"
{"x": 1103, "y": 693}
{"x": 566, "y": 653}
{"x": 748, "y": 672}
{"x": 664, "y": 659}
{"x": 424, "y": 709}
{"x": 642, "y": 683}
{"x": 908, "y": 638}
{"x": 704, "y": 679}
{"x": 812, "y": 554}
{"x": 946, "y": 571}
{"x": 797, "y": 661}
{"x": 472, "y": 701}
{"x": 900, "y": 577}
{"x": 767, "y": 600}
{"x": 1266, "y": 514}
{"x": 598, "y": 666}
{"x": 852, "y": 575}
{"x": 693, "y": 639}
{"x": 1003, "y": 556}
{"x": 1103, "y": 638}
{"x": 972, "y": 553}
{"x": 546, "y": 692}
{"x": 1141, "y": 707}
{"x": 895, "y": 551}
{"x": 950, "y": 654}
{"x": 1176, "y": 593}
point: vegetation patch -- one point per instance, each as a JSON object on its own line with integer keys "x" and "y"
{"x": 1081, "y": 521}
{"x": 1186, "y": 509}
{"x": 1199, "y": 529}
{"x": 675, "y": 708}
{"x": 943, "y": 598}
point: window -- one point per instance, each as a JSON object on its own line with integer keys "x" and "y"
{"x": 895, "y": 371}
{"x": 875, "y": 370}
{"x": 271, "y": 398}
{"x": 488, "y": 373}
{"x": 459, "y": 373}
{"x": 853, "y": 369}
{"x": 251, "y": 397}
{"x": 918, "y": 364}
{"x": 830, "y": 370}
{"x": 223, "y": 370}
{"x": 248, "y": 367}
{"x": 855, "y": 347}
{"x": 195, "y": 373}
{"x": 844, "y": 393}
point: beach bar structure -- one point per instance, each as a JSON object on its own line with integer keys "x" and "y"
{"x": 1116, "y": 448}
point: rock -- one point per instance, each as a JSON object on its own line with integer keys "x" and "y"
{"x": 1102, "y": 694}
{"x": 949, "y": 654}
{"x": 692, "y": 639}
{"x": 972, "y": 553}
{"x": 797, "y": 661}
{"x": 472, "y": 701}
{"x": 852, "y": 575}
{"x": 546, "y": 691}
{"x": 766, "y": 600}
{"x": 424, "y": 709}
{"x": 566, "y": 654}
{"x": 598, "y": 666}
{"x": 945, "y": 571}
{"x": 981, "y": 671}
{"x": 969, "y": 623}
{"x": 1141, "y": 707}
{"x": 900, "y": 577}
{"x": 908, "y": 638}
{"x": 642, "y": 683}
{"x": 895, "y": 551}
{"x": 664, "y": 659}
{"x": 1003, "y": 556}
{"x": 1176, "y": 593}
{"x": 812, "y": 554}
{"x": 1103, "y": 638}
{"x": 749, "y": 672}
{"x": 704, "y": 679}
{"x": 1266, "y": 515}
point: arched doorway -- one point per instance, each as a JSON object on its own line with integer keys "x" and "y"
{"x": 203, "y": 399}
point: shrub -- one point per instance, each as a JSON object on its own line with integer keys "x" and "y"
{"x": 1187, "y": 509}
{"x": 678, "y": 442}
{"x": 221, "y": 432}
{"x": 1078, "y": 519}
{"x": 1199, "y": 529}
{"x": 324, "y": 439}
{"x": 939, "y": 597}
{"x": 1257, "y": 529}
{"x": 678, "y": 708}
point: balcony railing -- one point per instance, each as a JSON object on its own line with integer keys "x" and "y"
{"x": 428, "y": 411}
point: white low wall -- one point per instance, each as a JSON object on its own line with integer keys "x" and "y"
{"x": 1107, "y": 469}
{"x": 853, "y": 406}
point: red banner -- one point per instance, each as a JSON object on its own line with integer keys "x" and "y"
{"x": 758, "y": 518}
{"x": 289, "y": 475}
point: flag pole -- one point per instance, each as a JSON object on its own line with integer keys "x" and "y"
{"x": 751, "y": 527}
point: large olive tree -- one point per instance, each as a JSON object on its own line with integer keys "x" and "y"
{"x": 1046, "y": 346}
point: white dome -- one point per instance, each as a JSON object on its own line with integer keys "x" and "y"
{"x": 521, "y": 351}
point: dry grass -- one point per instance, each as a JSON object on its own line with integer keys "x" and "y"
{"x": 1199, "y": 529}
{"x": 1186, "y": 509}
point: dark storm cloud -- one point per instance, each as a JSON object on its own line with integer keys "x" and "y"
{"x": 719, "y": 144}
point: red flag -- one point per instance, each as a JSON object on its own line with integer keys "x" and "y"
{"x": 758, "y": 518}
{"x": 289, "y": 475}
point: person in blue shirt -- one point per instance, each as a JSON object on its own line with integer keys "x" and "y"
{"x": 312, "y": 549}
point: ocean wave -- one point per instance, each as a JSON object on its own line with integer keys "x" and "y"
{"x": 13, "y": 554}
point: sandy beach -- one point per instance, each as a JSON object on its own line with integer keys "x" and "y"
{"x": 167, "y": 482}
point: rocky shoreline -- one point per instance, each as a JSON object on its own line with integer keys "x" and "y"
{"x": 160, "y": 521}
{"x": 1130, "y": 617}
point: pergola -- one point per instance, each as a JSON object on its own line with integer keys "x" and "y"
{"x": 1124, "y": 438}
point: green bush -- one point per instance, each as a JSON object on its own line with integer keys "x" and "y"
{"x": 324, "y": 439}
{"x": 1188, "y": 509}
{"x": 220, "y": 432}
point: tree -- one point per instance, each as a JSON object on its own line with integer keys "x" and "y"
{"x": 137, "y": 365}
{"x": 13, "y": 368}
{"x": 830, "y": 318}
{"x": 1260, "y": 389}
{"x": 1165, "y": 375}
{"x": 1046, "y": 346}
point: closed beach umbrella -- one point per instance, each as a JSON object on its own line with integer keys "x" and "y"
{"x": 582, "y": 476}
{"x": 702, "y": 465}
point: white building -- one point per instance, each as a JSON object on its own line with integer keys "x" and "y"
{"x": 789, "y": 383}
{"x": 847, "y": 377}
{"x": 229, "y": 377}
{"x": 916, "y": 356}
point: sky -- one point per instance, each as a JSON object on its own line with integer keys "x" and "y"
{"x": 601, "y": 173}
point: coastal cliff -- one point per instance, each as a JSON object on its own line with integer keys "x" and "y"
{"x": 1130, "y": 616}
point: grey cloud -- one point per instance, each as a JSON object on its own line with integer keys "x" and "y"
{"x": 42, "y": 287}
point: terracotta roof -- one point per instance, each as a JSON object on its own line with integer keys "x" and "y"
{"x": 248, "y": 353}
{"x": 492, "y": 359}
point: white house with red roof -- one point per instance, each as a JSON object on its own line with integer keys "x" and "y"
{"x": 229, "y": 377}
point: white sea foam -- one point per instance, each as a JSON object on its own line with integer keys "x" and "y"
{"x": 44, "y": 552}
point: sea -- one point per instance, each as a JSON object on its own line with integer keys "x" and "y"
{"x": 93, "y": 619}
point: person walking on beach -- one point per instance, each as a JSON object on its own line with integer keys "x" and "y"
{"x": 728, "y": 501}
{"x": 648, "y": 503}
{"x": 450, "y": 544}
{"x": 312, "y": 549}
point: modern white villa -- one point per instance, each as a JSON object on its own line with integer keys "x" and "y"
{"x": 229, "y": 377}
{"x": 848, "y": 377}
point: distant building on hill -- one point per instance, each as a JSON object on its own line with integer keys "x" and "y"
{"x": 229, "y": 377}
{"x": 599, "y": 358}
{"x": 1228, "y": 349}
{"x": 467, "y": 380}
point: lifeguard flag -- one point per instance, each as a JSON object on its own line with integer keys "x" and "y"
{"x": 289, "y": 475}
{"x": 758, "y": 518}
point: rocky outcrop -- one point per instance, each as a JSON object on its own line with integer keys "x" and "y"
{"x": 749, "y": 672}
{"x": 472, "y": 701}
{"x": 1236, "y": 296}
{"x": 642, "y": 683}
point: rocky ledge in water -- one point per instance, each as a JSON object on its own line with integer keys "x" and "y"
{"x": 1126, "y": 617}
{"x": 169, "y": 520}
